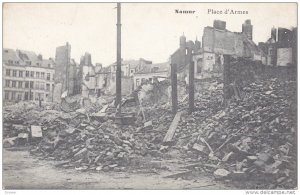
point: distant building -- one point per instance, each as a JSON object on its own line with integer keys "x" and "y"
{"x": 129, "y": 68}
{"x": 281, "y": 47}
{"x": 151, "y": 72}
{"x": 27, "y": 76}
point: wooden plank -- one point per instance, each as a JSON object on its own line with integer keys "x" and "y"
{"x": 172, "y": 128}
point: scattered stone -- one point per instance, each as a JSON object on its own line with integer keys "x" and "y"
{"x": 221, "y": 173}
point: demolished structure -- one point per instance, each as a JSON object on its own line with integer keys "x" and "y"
{"x": 281, "y": 47}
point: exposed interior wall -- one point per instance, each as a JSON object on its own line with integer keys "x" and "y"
{"x": 57, "y": 92}
{"x": 284, "y": 56}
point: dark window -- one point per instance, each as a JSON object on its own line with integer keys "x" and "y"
{"x": 19, "y": 96}
{"x": 20, "y": 73}
{"x": 26, "y": 96}
{"x": 13, "y": 95}
{"x": 31, "y": 74}
{"x": 13, "y": 83}
{"x": 20, "y": 84}
{"x": 6, "y": 95}
{"x": 27, "y": 73}
{"x": 48, "y": 76}
{"x": 26, "y": 84}
{"x": 31, "y": 84}
{"x": 7, "y": 83}
{"x": 48, "y": 87}
{"x": 37, "y": 75}
{"x": 14, "y": 73}
{"x": 31, "y": 96}
{"x": 42, "y": 75}
{"x": 7, "y": 72}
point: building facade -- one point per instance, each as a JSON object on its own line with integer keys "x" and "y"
{"x": 27, "y": 76}
{"x": 151, "y": 72}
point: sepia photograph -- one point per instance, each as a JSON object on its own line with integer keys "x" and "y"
{"x": 150, "y": 96}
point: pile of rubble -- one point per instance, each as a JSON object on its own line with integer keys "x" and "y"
{"x": 254, "y": 137}
{"x": 19, "y": 119}
{"x": 249, "y": 136}
{"x": 94, "y": 142}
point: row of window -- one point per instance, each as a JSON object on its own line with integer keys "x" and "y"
{"x": 27, "y": 84}
{"x": 11, "y": 62}
{"x": 32, "y": 74}
{"x": 14, "y": 95}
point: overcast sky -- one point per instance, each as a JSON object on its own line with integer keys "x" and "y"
{"x": 149, "y": 30}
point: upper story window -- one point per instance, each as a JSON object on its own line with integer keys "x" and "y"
{"x": 14, "y": 73}
{"x": 20, "y": 73}
{"x": 37, "y": 74}
{"x": 31, "y": 74}
{"x": 26, "y": 84}
{"x": 42, "y": 75}
{"x": 27, "y": 73}
{"x": 48, "y": 76}
{"x": 48, "y": 87}
{"x": 7, "y": 72}
{"x": 28, "y": 63}
{"x": 7, "y": 83}
{"x": 13, "y": 83}
{"x": 31, "y": 84}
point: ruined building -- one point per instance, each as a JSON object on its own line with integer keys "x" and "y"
{"x": 67, "y": 77}
{"x": 27, "y": 76}
{"x": 247, "y": 29}
{"x": 218, "y": 41}
{"x": 182, "y": 57}
{"x": 281, "y": 47}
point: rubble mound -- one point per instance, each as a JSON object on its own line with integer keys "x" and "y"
{"x": 253, "y": 138}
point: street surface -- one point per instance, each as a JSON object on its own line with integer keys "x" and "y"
{"x": 22, "y": 171}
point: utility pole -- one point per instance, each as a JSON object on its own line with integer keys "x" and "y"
{"x": 174, "y": 87}
{"x": 118, "y": 70}
{"x": 226, "y": 72}
{"x": 191, "y": 86}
